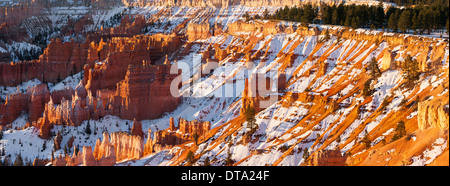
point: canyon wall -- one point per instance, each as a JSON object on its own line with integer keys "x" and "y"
{"x": 58, "y": 61}
{"x": 144, "y": 94}
{"x": 113, "y": 58}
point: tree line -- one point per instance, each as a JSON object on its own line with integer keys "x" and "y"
{"x": 424, "y": 17}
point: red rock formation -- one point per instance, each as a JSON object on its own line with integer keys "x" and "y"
{"x": 88, "y": 157}
{"x": 328, "y": 158}
{"x": 176, "y": 135}
{"x": 137, "y": 129}
{"x": 39, "y": 162}
{"x": 121, "y": 146}
{"x": 144, "y": 86}
{"x": 32, "y": 102}
{"x": 57, "y": 141}
{"x": 115, "y": 57}
{"x": 58, "y": 61}
{"x": 198, "y": 31}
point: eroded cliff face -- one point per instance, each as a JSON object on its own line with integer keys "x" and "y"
{"x": 144, "y": 85}
{"x": 58, "y": 61}
{"x": 114, "y": 58}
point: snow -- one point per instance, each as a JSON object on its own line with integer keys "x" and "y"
{"x": 5, "y": 91}
{"x": 2, "y": 50}
{"x": 20, "y": 48}
{"x": 69, "y": 82}
{"x": 429, "y": 155}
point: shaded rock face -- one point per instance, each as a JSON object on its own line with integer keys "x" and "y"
{"x": 32, "y": 101}
{"x": 137, "y": 129}
{"x": 144, "y": 85}
{"x": 58, "y": 61}
{"x": 115, "y": 57}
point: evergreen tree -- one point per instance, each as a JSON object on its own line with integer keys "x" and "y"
{"x": 88, "y": 128}
{"x": 366, "y": 90}
{"x": 404, "y": 21}
{"x": 190, "y": 158}
{"x": 207, "y": 162}
{"x": 18, "y": 161}
{"x": 266, "y": 14}
{"x": 380, "y": 17}
{"x": 250, "y": 117}
{"x": 392, "y": 23}
{"x": 335, "y": 18}
{"x": 446, "y": 26}
{"x": 410, "y": 69}
{"x": 400, "y": 131}
{"x": 373, "y": 68}
{"x": 305, "y": 153}
{"x": 366, "y": 140}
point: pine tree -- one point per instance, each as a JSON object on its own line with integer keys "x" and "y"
{"x": 190, "y": 158}
{"x": 392, "y": 23}
{"x": 250, "y": 117}
{"x": 88, "y": 129}
{"x": 373, "y": 68}
{"x": 305, "y": 153}
{"x": 366, "y": 90}
{"x": 410, "y": 69}
{"x": 18, "y": 161}
{"x": 266, "y": 14}
{"x": 207, "y": 162}
{"x": 366, "y": 140}
{"x": 404, "y": 21}
{"x": 400, "y": 131}
{"x": 335, "y": 18}
{"x": 195, "y": 137}
{"x": 446, "y": 26}
{"x": 380, "y": 17}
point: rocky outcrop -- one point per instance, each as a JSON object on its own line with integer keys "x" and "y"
{"x": 113, "y": 58}
{"x": 184, "y": 132}
{"x": 87, "y": 157}
{"x": 58, "y": 61}
{"x": 198, "y": 31}
{"x": 119, "y": 147}
{"x": 328, "y": 158}
{"x": 57, "y": 141}
{"x": 144, "y": 85}
{"x": 32, "y": 102}
{"x": 255, "y": 92}
{"x": 137, "y": 129}
{"x": 433, "y": 113}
